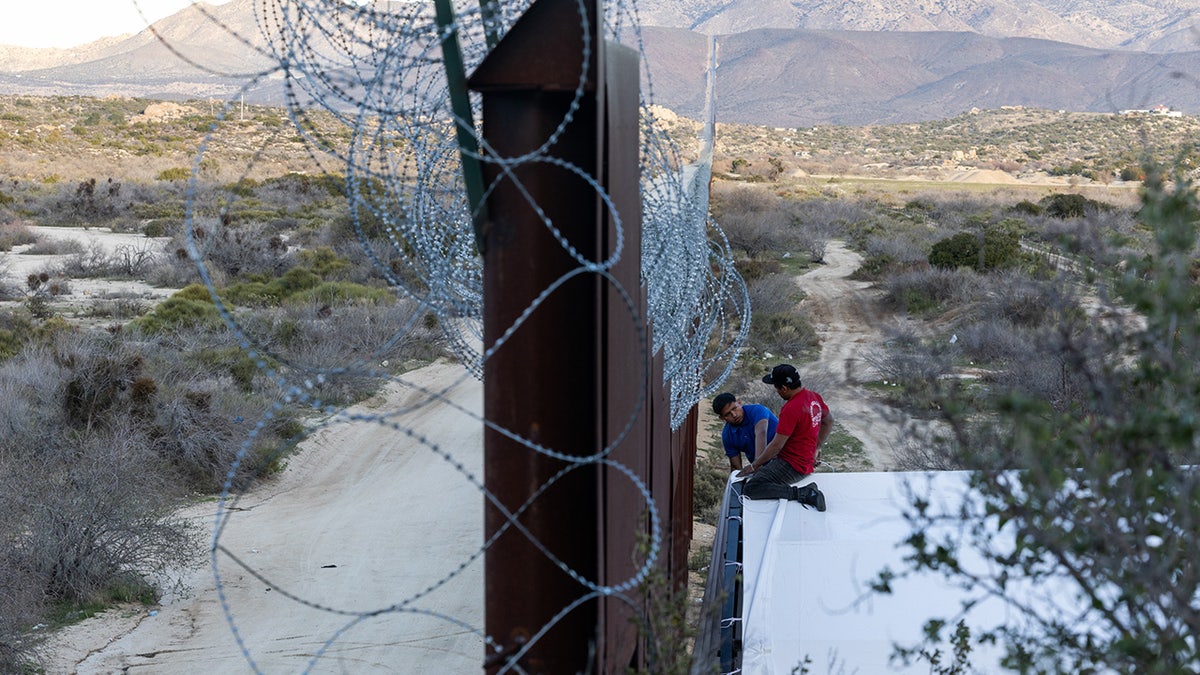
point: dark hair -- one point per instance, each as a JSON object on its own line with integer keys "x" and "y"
{"x": 722, "y": 400}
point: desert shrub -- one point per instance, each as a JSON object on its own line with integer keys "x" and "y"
{"x": 294, "y": 281}
{"x": 1070, "y": 205}
{"x": 917, "y": 365}
{"x": 81, "y": 536}
{"x": 8, "y": 289}
{"x": 199, "y": 427}
{"x": 96, "y": 386}
{"x": 1026, "y": 302}
{"x": 774, "y": 294}
{"x": 133, "y": 261}
{"x": 21, "y": 599}
{"x": 344, "y": 342}
{"x": 299, "y": 190}
{"x": 48, "y": 246}
{"x": 757, "y": 268}
{"x": 187, "y": 308}
{"x": 91, "y": 201}
{"x": 1101, "y": 237}
{"x": 1028, "y": 208}
{"x": 92, "y": 261}
{"x": 156, "y": 228}
{"x": 175, "y": 173}
{"x": 231, "y": 360}
{"x": 708, "y": 489}
{"x": 117, "y": 308}
{"x": 15, "y": 234}
{"x": 923, "y": 205}
{"x": 785, "y": 334}
{"x": 1001, "y": 247}
{"x": 754, "y": 220}
{"x": 1132, "y": 172}
{"x": 992, "y": 340}
{"x": 813, "y": 239}
{"x": 163, "y": 208}
{"x": 72, "y": 535}
{"x": 236, "y": 251}
{"x": 361, "y": 225}
{"x": 892, "y": 252}
{"x": 324, "y": 262}
{"x": 1048, "y": 376}
{"x": 10, "y": 344}
{"x": 833, "y": 216}
{"x": 341, "y": 292}
{"x": 924, "y": 291}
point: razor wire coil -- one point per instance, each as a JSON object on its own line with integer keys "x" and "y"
{"x": 377, "y": 71}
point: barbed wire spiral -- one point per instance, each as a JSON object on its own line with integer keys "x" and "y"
{"x": 377, "y": 71}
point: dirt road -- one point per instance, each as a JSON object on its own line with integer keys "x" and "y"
{"x": 848, "y": 319}
{"x": 364, "y": 518}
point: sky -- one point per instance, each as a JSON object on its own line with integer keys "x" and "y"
{"x": 67, "y": 23}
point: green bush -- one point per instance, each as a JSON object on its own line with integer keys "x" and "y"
{"x": 1070, "y": 205}
{"x": 232, "y": 360}
{"x": 1001, "y": 248}
{"x": 324, "y": 262}
{"x": 1133, "y": 172}
{"x": 1028, "y": 208}
{"x": 295, "y": 280}
{"x": 190, "y": 307}
{"x": 175, "y": 173}
{"x": 960, "y": 250}
{"x": 341, "y": 292}
{"x": 155, "y": 228}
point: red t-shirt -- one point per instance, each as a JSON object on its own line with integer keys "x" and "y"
{"x": 800, "y": 421}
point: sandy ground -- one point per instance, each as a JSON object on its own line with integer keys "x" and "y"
{"x": 18, "y": 264}
{"x": 362, "y": 551}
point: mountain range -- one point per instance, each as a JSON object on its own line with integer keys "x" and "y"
{"x": 781, "y": 63}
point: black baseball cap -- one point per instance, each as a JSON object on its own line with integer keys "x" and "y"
{"x": 783, "y": 374}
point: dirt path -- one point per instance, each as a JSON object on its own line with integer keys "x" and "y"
{"x": 365, "y": 517}
{"x": 847, "y": 316}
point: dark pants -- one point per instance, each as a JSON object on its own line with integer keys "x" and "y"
{"x": 772, "y": 480}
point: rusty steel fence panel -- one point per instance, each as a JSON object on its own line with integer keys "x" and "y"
{"x": 576, "y": 374}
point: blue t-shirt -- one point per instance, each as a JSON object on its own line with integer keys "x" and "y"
{"x": 740, "y": 438}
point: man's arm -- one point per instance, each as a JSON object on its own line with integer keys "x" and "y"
{"x": 765, "y": 456}
{"x": 735, "y": 462}
{"x": 822, "y": 434}
{"x": 760, "y": 437}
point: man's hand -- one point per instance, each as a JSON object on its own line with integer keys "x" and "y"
{"x": 749, "y": 469}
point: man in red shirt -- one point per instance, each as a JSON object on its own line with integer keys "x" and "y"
{"x": 804, "y": 424}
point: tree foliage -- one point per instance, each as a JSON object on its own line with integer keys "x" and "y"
{"x": 1097, "y": 489}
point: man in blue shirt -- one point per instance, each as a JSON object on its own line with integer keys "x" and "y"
{"x": 748, "y": 428}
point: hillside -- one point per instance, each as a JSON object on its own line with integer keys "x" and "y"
{"x": 779, "y": 64}
{"x": 51, "y": 139}
{"x": 793, "y": 77}
{"x": 1166, "y": 26}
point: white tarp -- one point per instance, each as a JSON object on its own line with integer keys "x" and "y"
{"x": 807, "y": 575}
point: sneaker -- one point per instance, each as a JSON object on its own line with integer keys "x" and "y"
{"x": 809, "y": 495}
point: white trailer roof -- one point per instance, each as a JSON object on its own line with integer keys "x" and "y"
{"x": 806, "y": 580}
